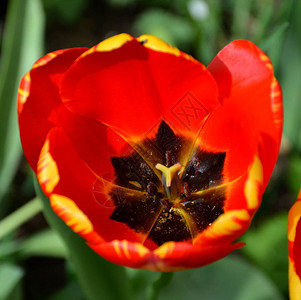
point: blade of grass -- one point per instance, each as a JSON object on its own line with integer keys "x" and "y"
{"x": 22, "y": 44}
{"x": 18, "y": 217}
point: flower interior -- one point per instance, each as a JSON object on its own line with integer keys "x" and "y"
{"x": 166, "y": 192}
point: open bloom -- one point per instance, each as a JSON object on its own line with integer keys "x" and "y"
{"x": 294, "y": 247}
{"x": 156, "y": 161}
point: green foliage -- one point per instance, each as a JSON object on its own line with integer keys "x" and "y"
{"x": 171, "y": 28}
{"x": 266, "y": 246}
{"x": 294, "y": 174}
{"x": 44, "y": 243}
{"x": 67, "y": 12}
{"x": 231, "y": 278}
{"x": 22, "y": 45}
{"x": 71, "y": 291}
{"x": 10, "y": 278}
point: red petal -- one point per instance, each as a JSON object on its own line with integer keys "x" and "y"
{"x": 297, "y": 249}
{"x": 171, "y": 256}
{"x": 38, "y": 97}
{"x": 178, "y": 256}
{"x": 251, "y": 109}
{"x": 133, "y": 87}
{"x": 76, "y": 182}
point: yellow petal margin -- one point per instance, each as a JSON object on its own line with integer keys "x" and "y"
{"x": 148, "y": 41}
{"x": 253, "y": 184}
{"x": 293, "y": 219}
{"x": 227, "y": 224}
{"x": 67, "y": 210}
{"x": 110, "y": 44}
{"x": 47, "y": 170}
{"x": 154, "y": 43}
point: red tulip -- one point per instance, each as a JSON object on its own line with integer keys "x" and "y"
{"x": 294, "y": 247}
{"x": 156, "y": 161}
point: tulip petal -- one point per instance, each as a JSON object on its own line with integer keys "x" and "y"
{"x": 294, "y": 239}
{"x": 251, "y": 109}
{"x": 133, "y": 87}
{"x": 71, "y": 195}
{"x": 171, "y": 256}
{"x": 38, "y": 97}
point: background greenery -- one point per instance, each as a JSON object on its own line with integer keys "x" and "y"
{"x": 33, "y": 261}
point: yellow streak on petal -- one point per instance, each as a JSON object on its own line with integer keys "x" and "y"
{"x": 264, "y": 57}
{"x": 71, "y": 214}
{"x": 275, "y": 94}
{"x": 294, "y": 283}
{"x": 267, "y": 61}
{"x": 47, "y": 170}
{"x": 293, "y": 218}
{"x": 110, "y": 44}
{"x": 23, "y": 91}
{"x": 165, "y": 249}
{"x": 44, "y": 60}
{"x": 269, "y": 65}
{"x": 252, "y": 185}
{"x": 142, "y": 251}
{"x": 154, "y": 43}
{"x": 117, "y": 247}
{"x": 125, "y": 248}
{"x": 276, "y": 100}
{"x": 226, "y": 224}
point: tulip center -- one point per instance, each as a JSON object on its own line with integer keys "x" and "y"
{"x": 167, "y": 188}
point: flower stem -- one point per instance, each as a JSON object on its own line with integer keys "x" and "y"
{"x": 20, "y": 216}
{"x": 160, "y": 283}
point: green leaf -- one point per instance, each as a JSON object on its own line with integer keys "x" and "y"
{"x": 230, "y": 278}
{"x": 241, "y": 16}
{"x": 22, "y": 45}
{"x": 274, "y": 43}
{"x": 18, "y": 217}
{"x": 267, "y": 247}
{"x": 44, "y": 243}
{"x": 7, "y": 249}
{"x": 71, "y": 291}
{"x": 67, "y": 12}
{"x": 10, "y": 277}
{"x": 160, "y": 283}
{"x": 290, "y": 65}
{"x": 293, "y": 177}
{"x": 98, "y": 277}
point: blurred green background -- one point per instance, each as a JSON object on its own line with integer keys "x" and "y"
{"x": 33, "y": 261}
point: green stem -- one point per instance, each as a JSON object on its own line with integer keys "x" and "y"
{"x": 19, "y": 217}
{"x": 160, "y": 283}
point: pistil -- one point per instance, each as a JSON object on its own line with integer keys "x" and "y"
{"x": 170, "y": 179}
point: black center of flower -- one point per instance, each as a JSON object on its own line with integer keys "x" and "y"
{"x": 157, "y": 196}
